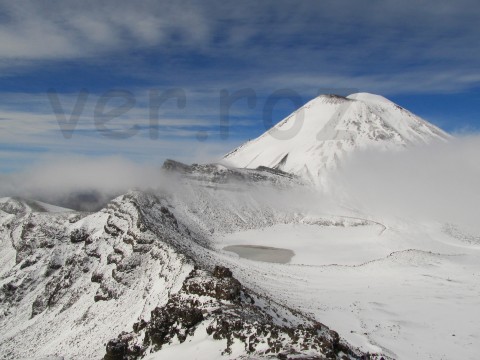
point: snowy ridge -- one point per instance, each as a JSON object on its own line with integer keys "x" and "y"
{"x": 71, "y": 282}
{"x": 15, "y": 205}
{"x": 58, "y": 291}
{"x": 140, "y": 276}
{"x": 317, "y": 136}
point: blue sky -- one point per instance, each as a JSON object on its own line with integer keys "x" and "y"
{"x": 421, "y": 54}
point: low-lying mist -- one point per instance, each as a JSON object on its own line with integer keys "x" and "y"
{"x": 437, "y": 182}
{"x": 79, "y": 183}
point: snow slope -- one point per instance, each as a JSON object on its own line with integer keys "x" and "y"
{"x": 413, "y": 297}
{"x": 403, "y": 288}
{"x": 319, "y": 134}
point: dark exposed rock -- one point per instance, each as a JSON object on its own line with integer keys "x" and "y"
{"x": 114, "y": 258}
{"x": 93, "y": 251}
{"x": 129, "y": 263}
{"x": 222, "y": 286}
{"x": 161, "y": 329}
{"x": 222, "y": 272}
{"x": 144, "y": 241}
{"x": 124, "y": 272}
{"x": 8, "y": 292}
{"x": 112, "y": 229}
{"x": 32, "y": 260}
{"x": 140, "y": 325}
{"x": 97, "y": 277}
{"x": 118, "y": 251}
{"x": 118, "y": 349}
{"x": 79, "y": 235}
{"x": 276, "y": 172}
{"x": 104, "y": 293}
{"x": 221, "y": 174}
{"x": 77, "y": 261}
{"x": 169, "y": 216}
{"x": 141, "y": 248}
{"x": 232, "y": 318}
{"x": 173, "y": 165}
{"x": 39, "y": 305}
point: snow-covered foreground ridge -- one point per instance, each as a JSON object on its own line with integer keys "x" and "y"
{"x": 317, "y": 136}
{"x": 142, "y": 275}
{"x": 138, "y": 278}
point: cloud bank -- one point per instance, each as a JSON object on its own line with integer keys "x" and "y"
{"x": 78, "y": 182}
{"x": 438, "y": 182}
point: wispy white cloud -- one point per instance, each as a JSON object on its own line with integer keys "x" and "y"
{"x": 409, "y": 81}
{"x": 30, "y": 130}
{"x": 69, "y": 29}
{"x": 389, "y": 45}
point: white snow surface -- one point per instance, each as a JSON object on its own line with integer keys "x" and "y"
{"x": 409, "y": 291}
{"x": 321, "y": 133}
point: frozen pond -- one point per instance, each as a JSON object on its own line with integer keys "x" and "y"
{"x": 262, "y": 253}
{"x": 311, "y": 244}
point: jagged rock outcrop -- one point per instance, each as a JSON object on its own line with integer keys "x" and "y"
{"x": 229, "y": 314}
{"x": 220, "y": 174}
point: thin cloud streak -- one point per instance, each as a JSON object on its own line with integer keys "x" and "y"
{"x": 375, "y": 41}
